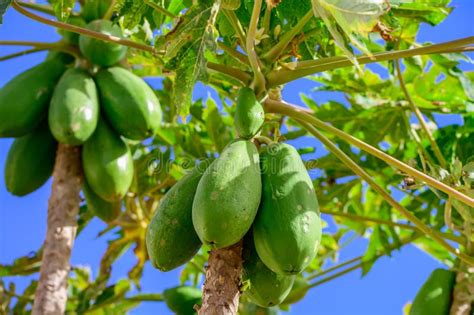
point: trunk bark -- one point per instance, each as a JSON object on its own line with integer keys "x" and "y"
{"x": 221, "y": 291}
{"x": 63, "y": 208}
{"x": 463, "y": 294}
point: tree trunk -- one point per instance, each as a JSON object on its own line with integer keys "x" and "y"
{"x": 463, "y": 295}
{"x": 63, "y": 208}
{"x": 221, "y": 291}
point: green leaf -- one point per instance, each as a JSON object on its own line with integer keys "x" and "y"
{"x": 4, "y": 4}
{"x": 62, "y": 8}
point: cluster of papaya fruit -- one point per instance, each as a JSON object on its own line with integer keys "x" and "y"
{"x": 90, "y": 102}
{"x": 266, "y": 198}
{"x": 435, "y": 296}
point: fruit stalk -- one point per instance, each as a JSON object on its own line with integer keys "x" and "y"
{"x": 221, "y": 291}
{"x": 51, "y": 293}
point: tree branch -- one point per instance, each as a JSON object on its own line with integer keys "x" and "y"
{"x": 259, "y": 79}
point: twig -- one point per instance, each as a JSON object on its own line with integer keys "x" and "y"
{"x": 419, "y": 116}
{"x": 21, "y": 53}
{"x": 259, "y": 80}
{"x": 234, "y": 21}
{"x": 234, "y": 53}
{"x": 235, "y": 73}
{"x": 160, "y": 9}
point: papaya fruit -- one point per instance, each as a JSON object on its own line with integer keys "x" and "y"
{"x": 99, "y": 52}
{"x": 287, "y": 229}
{"x": 228, "y": 195}
{"x": 435, "y": 296}
{"x": 24, "y": 100}
{"x": 30, "y": 161}
{"x": 182, "y": 299}
{"x": 252, "y": 309}
{"x": 129, "y": 104}
{"x": 170, "y": 238}
{"x": 266, "y": 288}
{"x": 74, "y": 109}
{"x": 298, "y": 291}
{"x": 105, "y": 210}
{"x": 107, "y": 163}
{"x": 95, "y": 9}
{"x": 71, "y": 37}
{"x": 249, "y": 114}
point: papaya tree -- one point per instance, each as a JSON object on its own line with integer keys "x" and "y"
{"x": 223, "y": 186}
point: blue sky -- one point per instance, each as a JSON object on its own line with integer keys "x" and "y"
{"x": 391, "y": 283}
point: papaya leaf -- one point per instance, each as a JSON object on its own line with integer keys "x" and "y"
{"x": 62, "y": 8}
{"x": 186, "y": 46}
{"x": 215, "y": 125}
{"x": 4, "y": 4}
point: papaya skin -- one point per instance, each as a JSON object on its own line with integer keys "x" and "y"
{"x": 228, "y": 196}
{"x": 266, "y": 287}
{"x": 95, "y": 9}
{"x": 172, "y": 224}
{"x": 129, "y": 104}
{"x": 74, "y": 109}
{"x": 298, "y": 291}
{"x": 24, "y": 100}
{"x": 435, "y": 296}
{"x": 249, "y": 114}
{"x": 30, "y": 162}
{"x": 107, "y": 163}
{"x": 105, "y": 210}
{"x": 287, "y": 229}
{"x": 182, "y": 299}
{"x": 99, "y": 52}
{"x": 71, "y": 37}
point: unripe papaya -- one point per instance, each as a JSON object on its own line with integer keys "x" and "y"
{"x": 228, "y": 195}
{"x": 171, "y": 240}
{"x": 435, "y": 296}
{"x": 107, "y": 163}
{"x": 287, "y": 229}
{"x": 249, "y": 114}
{"x": 130, "y": 105}
{"x": 298, "y": 291}
{"x": 74, "y": 108}
{"x": 99, "y": 52}
{"x": 266, "y": 288}
{"x": 105, "y": 210}
{"x": 71, "y": 37}
{"x": 30, "y": 161}
{"x": 24, "y": 100}
{"x": 181, "y": 300}
{"x": 95, "y": 9}
{"x": 252, "y": 309}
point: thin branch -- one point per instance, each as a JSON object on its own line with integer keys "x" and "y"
{"x": 402, "y": 210}
{"x": 234, "y": 53}
{"x": 160, "y": 9}
{"x": 110, "y": 10}
{"x": 43, "y": 8}
{"x": 335, "y": 267}
{"x": 235, "y": 73}
{"x": 21, "y": 53}
{"x": 234, "y": 21}
{"x": 365, "y": 220}
{"x": 286, "y": 38}
{"x": 83, "y": 31}
{"x": 259, "y": 79}
{"x": 305, "y": 68}
{"x": 58, "y": 46}
{"x": 419, "y": 116}
{"x": 302, "y": 114}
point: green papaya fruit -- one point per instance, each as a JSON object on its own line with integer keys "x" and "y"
{"x": 65, "y": 58}
{"x": 228, "y": 196}
{"x": 74, "y": 108}
{"x": 24, "y": 100}
{"x": 99, "y": 52}
{"x": 435, "y": 296}
{"x": 266, "y": 288}
{"x": 298, "y": 291}
{"x": 30, "y": 161}
{"x": 107, "y": 163}
{"x": 130, "y": 105}
{"x": 182, "y": 299}
{"x": 252, "y": 309}
{"x": 287, "y": 229}
{"x": 71, "y": 37}
{"x": 171, "y": 240}
{"x": 95, "y": 9}
{"x": 105, "y": 210}
{"x": 249, "y": 114}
